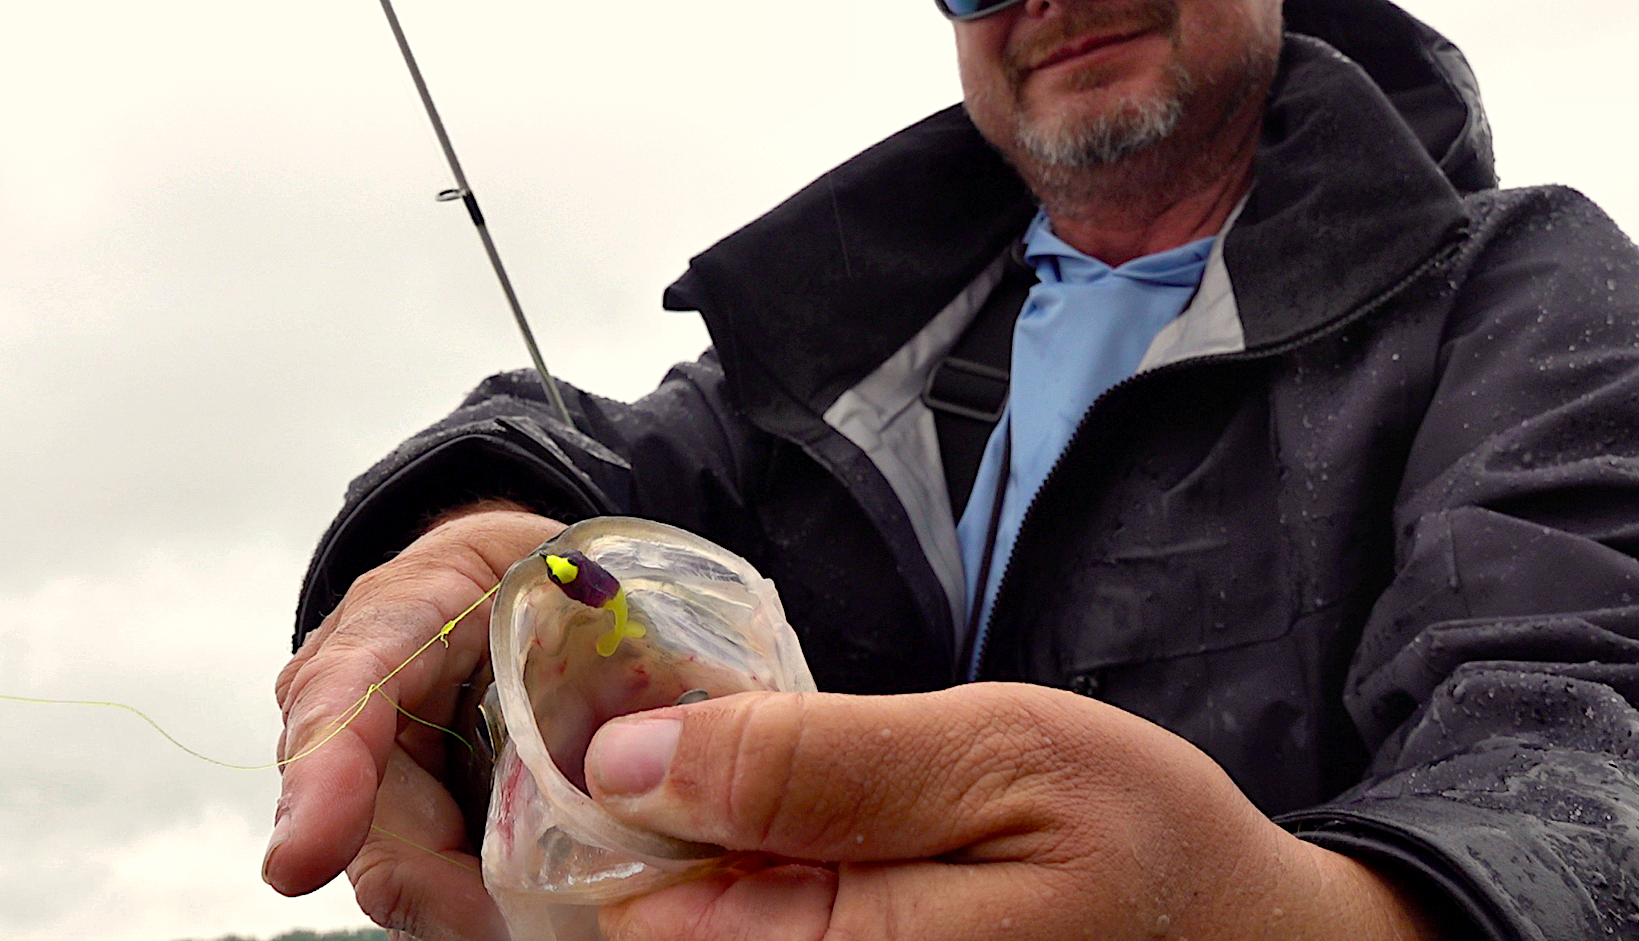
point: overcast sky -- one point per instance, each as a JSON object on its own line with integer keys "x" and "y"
{"x": 225, "y": 289}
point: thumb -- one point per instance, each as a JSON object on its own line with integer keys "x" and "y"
{"x": 836, "y": 778}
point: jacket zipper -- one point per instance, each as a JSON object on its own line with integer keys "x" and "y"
{"x": 976, "y": 645}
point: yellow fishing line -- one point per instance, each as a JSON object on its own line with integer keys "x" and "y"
{"x": 144, "y": 717}
{"x": 428, "y": 850}
{"x": 338, "y": 724}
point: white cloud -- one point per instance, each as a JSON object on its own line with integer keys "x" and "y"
{"x": 225, "y": 288}
{"x": 110, "y": 832}
{"x": 1551, "y": 78}
{"x": 186, "y": 879}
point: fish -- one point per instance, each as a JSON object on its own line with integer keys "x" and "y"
{"x": 613, "y": 616}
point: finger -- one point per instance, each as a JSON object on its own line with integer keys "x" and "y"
{"x": 969, "y": 813}
{"x": 388, "y": 616}
{"x": 476, "y": 549}
{"x": 338, "y": 735}
{"x": 784, "y": 903}
{"x": 904, "y": 901}
{"x": 984, "y": 770}
{"x": 940, "y": 901}
{"x": 414, "y": 873}
{"x": 339, "y": 694}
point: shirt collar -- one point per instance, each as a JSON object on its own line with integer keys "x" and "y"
{"x": 1056, "y": 261}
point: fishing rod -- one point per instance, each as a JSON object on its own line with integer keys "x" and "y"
{"x": 463, "y": 192}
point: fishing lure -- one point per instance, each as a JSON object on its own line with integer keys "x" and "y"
{"x": 591, "y": 584}
{"x": 613, "y": 616}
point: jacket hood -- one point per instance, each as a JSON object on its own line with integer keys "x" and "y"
{"x": 876, "y": 247}
{"x": 1422, "y": 74}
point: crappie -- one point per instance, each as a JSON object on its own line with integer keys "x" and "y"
{"x": 661, "y": 615}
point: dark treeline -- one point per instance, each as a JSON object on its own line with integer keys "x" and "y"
{"x": 357, "y": 934}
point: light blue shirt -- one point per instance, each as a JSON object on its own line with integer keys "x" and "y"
{"x": 1084, "y": 328}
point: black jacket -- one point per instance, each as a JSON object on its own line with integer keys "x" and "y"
{"x": 1378, "y": 561}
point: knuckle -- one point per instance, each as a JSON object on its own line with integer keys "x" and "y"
{"x": 1013, "y": 756}
{"x": 838, "y": 931}
{"x": 733, "y": 764}
{"x": 381, "y": 894}
{"x": 342, "y": 673}
{"x": 387, "y": 896}
{"x": 326, "y": 693}
{"x": 363, "y": 649}
{"x": 379, "y": 640}
{"x": 789, "y": 781}
{"x": 286, "y": 678}
{"x": 407, "y": 600}
{"x": 414, "y": 582}
{"x": 310, "y": 647}
{"x": 766, "y": 739}
{"x": 390, "y": 623}
{"x": 464, "y": 544}
{"x": 366, "y": 585}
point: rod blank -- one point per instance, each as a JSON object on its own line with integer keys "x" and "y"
{"x": 464, "y": 193}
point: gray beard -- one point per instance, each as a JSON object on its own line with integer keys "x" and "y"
{"x": 1108, "y": 138}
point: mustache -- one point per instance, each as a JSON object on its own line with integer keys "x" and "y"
{"x": 1081, "y": 20}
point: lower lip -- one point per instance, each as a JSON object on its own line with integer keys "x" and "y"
{"x": 1102, "y": 50}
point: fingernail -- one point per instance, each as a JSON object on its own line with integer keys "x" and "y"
{"x": 281, "y": 833}
{"x": 630, "y": 757}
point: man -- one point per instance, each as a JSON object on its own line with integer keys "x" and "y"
{"x": 1306, "y": 536}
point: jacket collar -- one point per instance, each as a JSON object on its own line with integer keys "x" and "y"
{"x": 807, "y": 300}
{"x": 1420, "y": 72}
{"x": 1346, "y": 202}
{"x": 873, "y": 249}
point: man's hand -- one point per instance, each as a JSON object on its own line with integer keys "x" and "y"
{"x": 989, "y": 811}
{"x": 383, "y": 773}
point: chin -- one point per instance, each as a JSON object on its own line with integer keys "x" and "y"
{"x": 1106, "y": 131}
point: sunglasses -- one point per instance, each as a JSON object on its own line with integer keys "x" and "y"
{"x": 972, "y": 9}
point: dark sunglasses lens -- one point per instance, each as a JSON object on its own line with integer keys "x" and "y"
{"x": 970, "y": 9}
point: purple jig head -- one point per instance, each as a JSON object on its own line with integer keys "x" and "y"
{"x": 582, "y": 579}
{"x": 591, "y": 584}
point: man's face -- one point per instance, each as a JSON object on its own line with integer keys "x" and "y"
{"x": 1080, "y": 83}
